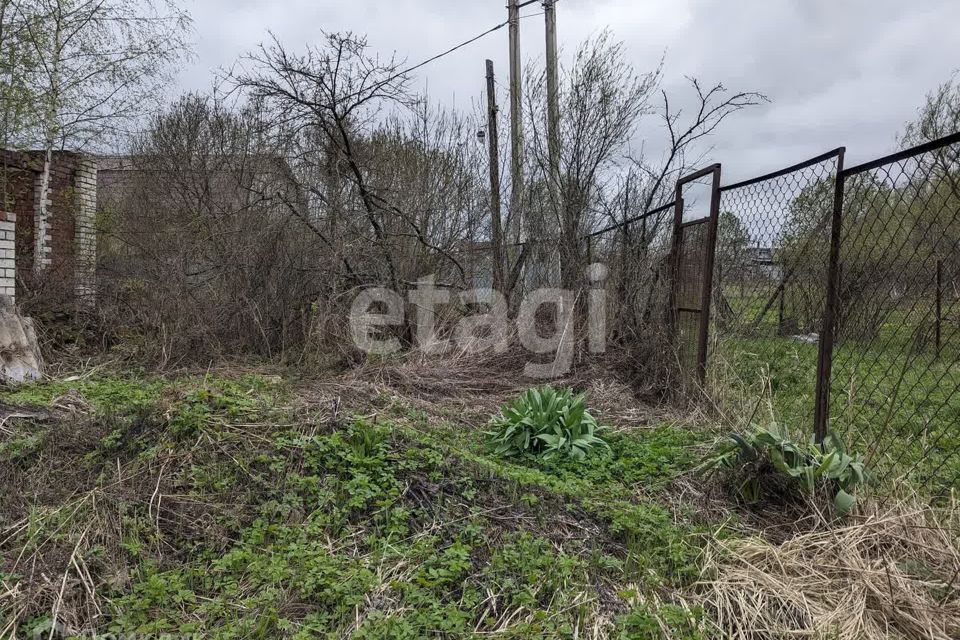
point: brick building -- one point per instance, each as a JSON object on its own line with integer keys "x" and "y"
{"x": 60, "y": 247}
{"x": 54, "y": 258}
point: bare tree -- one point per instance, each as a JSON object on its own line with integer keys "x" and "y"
{"x": 603, "y": 182}
{"x": 330, "y": 93}
{"x": 427, "y": 168}
{"x": 686, "y": 129}
{"x": 198, "y": 247}
{"x": 602, "y": 100}
{"x": 386, "y": 172}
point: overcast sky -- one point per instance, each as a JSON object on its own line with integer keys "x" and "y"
{"x": 838, "y": 72}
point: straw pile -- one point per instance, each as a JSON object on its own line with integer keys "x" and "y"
{"x": 895, "y": 573}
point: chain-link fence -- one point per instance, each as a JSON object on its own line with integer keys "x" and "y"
{"x": 770, "y": 277}
{"x": 895, "y": 384}
{"x": 840, "y": 286}
{"x": 771, "y": 251}
{"x": 635, "y": 254}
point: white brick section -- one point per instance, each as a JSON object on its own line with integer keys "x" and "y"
{"x": 8, "y": 253}
{"x": 41, "y": 226}
{"x": 85, "y": 242}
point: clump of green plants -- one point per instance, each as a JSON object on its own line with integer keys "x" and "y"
{"x": 546, "y": 423}
{"x": 766, "y": 456}
{"x": 667, "y": 621}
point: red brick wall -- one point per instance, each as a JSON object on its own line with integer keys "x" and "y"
{"x": 20, "y": 172}
{"x": 62, "y": 215}
{"x": 19, "y": 194}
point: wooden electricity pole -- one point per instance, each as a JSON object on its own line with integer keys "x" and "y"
{"x": 553, "y": 90}
{"x": 516, "y": 123}
{"x": 553, "y": 132}
{"x": 496, "y": 229}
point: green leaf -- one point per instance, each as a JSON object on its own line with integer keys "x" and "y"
{"x": 779, "y": 463}
{"x": 833, "y": 441}
{"x": 746, "y": 449}
{"x": 826, "y": 464}
{"x": 844, "y": 503}
{"x": 779, "y": 432}
{"x": 839, "y": 467}
{"x": 545, "y": 421}
{"x": 808, "y": 479}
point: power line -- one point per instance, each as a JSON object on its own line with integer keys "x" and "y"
{"x": 467, "y": 42}
{"x": 400, "y": 74}
{"x": 457, "y": 47}
{"x": 451, "y": 50}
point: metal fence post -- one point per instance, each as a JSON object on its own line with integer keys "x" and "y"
{"x": 673, "y": 319}
{"x": 706, "y": 298}
{"x": 781, "y": 313}
{"x": 828, "y": 333}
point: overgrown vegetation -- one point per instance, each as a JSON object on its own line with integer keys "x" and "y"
{"x": 242, "y": 507}
{"x": 245, "y": 223}
{"x": 218, "y": 506}
{"x": 897, "y": 442}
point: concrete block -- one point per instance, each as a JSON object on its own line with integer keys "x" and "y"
{"x": 18, "y": 337}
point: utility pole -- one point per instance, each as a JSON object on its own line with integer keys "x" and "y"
{"x": 553, "y": 89}
{"x": 553, "y": 131}
{"x": 516, "y": 123}
{"x": 496, "y": 230}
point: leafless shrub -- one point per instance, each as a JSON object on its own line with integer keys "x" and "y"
{"x": 198, "y": 247}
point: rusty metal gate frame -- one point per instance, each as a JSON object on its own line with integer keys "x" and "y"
{"x": 709, "y": 256}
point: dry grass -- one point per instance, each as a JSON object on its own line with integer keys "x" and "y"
{"x": 471, "y": 387}
{"x": 895, "y": 573}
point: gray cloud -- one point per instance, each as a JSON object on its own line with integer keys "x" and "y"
{"x": 838, "y": 72}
